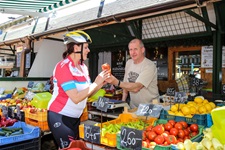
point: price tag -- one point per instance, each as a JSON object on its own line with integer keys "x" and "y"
{"x": 196, "y": 82}
{"x": 131, "y": 138}
{"x": 29, "y": 95}
{"x": 47, "y": 86}
{"x": 92, "y": 133}
{"x": 180, "y": 97}
{"x": 18, "y": 113}
{"x": 5, "y": 111}
{"x": 102, "y": 104}
{"x": 170, "y": 91}
{"x": 223, "y": 89}
{"x": 2, "y": 90}
{"x": 30, "y": 84}
{"x": 152, "y": 110}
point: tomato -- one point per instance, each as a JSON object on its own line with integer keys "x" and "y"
{"x": 186, "y": 137}
{"x": 184, "y": 124}
{"x": 168, "y": 126}
{"x": 151, "y": 135}
{"x": 193, "y": 134}
{"x": 164, "y": 135}
{"x": 180, "y": 140}
{"x": 105, "y": 66}
{"x": 171, "y": 139}
{"x": 181, "y": 134}
{"x": 186, "y": 132}
{"x": 165, "y": 143}
{"x": 194, "y": 127}
{"x": 174, "y": 131}
{"x": 172, "y": 122}
{"x": 159, "y": 129}
{"x": 159, "y": 139}
{"x": 178, "y": 126}
{"x": 149, "y": 128}
{"x": 188, "y": 128}
{"x": 167, "y": 132}
{"x": 144, "y": 136}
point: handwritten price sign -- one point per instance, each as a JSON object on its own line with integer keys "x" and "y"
{"x": 92, "y": 133}
{"x": 180, "y": 97}
{"x": 152, "y": 110}
{"x": 170, "y": 91}
{"x": 102, "y": 104}
{"x": 131, "y": 138}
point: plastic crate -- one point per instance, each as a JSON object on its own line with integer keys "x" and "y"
{"x": 5, "y": 96}
{"x": 33, "y": 144}
{"x": 38, "y": 116}
{"x": 77, "y": 144}
{"x": 12, "y": 114}
{"x": 41, "y": 124}
{"x": 30, "y": 132}
{"x": 41, "y": 100}
{"x": 193, "y": 139}
{"x": 197, "y": 138}
{"x": 157, "y": 147}
{"x": 198, "y": 119}
{"x": 84, "y": 116}
{"x": 109, "y": 139}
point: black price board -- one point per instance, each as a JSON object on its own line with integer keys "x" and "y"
{"x": 152, "y": 110}
{"x": 170, "y": 91}
{"x": 18, "y": 113}
{"x": 223, "y": 89}
{"x": 131, "y": 138}
{"x": 196, "y": 82}
{"x": 102, "y": 104}
{"x": 180, "y": 97}
{"x": 30, "y": 84}
{"x": 5, "y": 111}
{"x": 92, "y": 133}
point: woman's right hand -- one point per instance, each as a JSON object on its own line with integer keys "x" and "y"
{"x": 102, "y": 76}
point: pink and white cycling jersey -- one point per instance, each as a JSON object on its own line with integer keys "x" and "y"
{"x": 66, "y": 76}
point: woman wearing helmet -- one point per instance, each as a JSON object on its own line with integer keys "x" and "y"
{"x": 72, "y": 87}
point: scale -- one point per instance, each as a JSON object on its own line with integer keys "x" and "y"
{"x": 113, "y": 104}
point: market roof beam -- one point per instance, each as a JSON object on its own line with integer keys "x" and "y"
{"x": 22, "y": 12}
{"x": 193, "y": 14}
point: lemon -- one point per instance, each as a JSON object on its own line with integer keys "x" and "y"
{"x": 202, "y": 110}
{"x": 193, "y": 110}
{"x": 185, "y": 110}
{"x": 205, "y": 101}
{"x": 179, "y": 113}
{"x": 189, "y": 116}
{"x": 174, "y": 108}
{"x": 198, "y": 100}
{"x": 170, "y": 112}
{"x": 212, "y": 105}
{"x": 208, "y": 107}
{"x": 191, "y": 103}
{"x": 181, "y": 106}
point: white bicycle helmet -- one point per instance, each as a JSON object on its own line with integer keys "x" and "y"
{"x": 77, "y": 37}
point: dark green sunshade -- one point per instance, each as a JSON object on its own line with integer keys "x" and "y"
{"x": 32, "y": 5}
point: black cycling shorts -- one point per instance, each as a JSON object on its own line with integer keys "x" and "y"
{"x": 64, "y": 129}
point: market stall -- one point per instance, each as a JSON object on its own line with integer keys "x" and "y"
{"x": 180, "y": 121}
